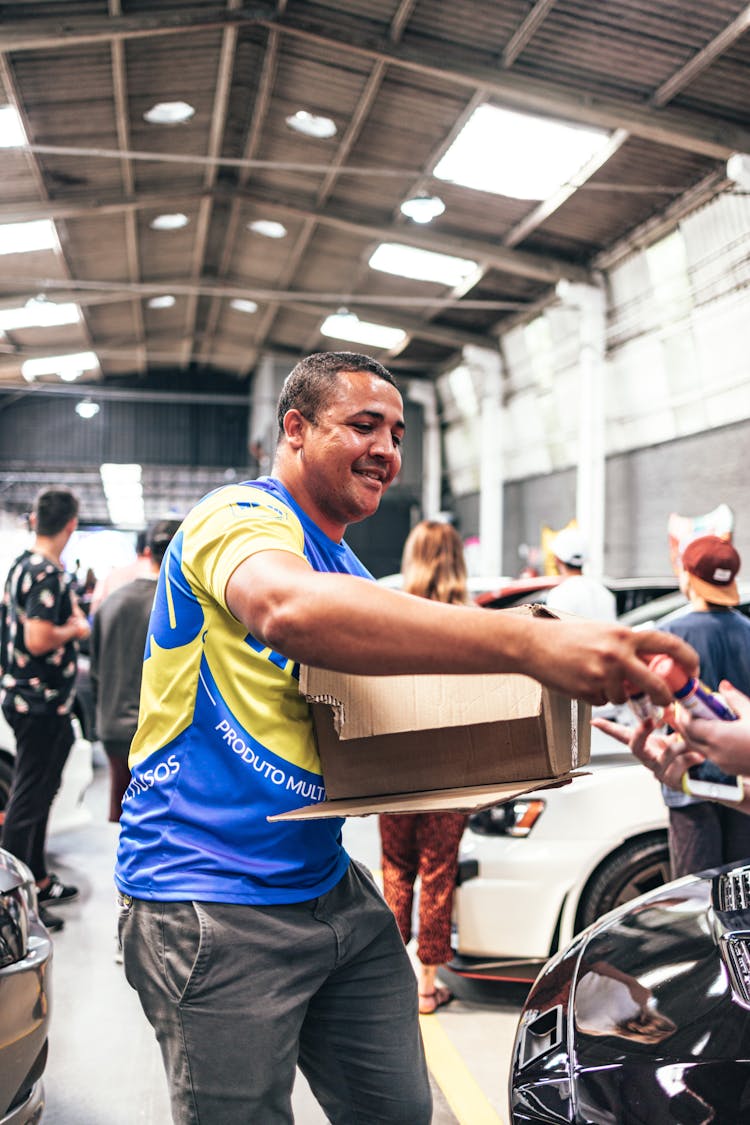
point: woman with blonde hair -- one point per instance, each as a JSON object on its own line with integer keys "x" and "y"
{"x": 425, "y": 845}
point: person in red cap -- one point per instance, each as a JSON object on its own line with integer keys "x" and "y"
{"x": 705, "y": 833}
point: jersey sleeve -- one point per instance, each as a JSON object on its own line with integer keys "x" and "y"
{"x": 230, "y": 526}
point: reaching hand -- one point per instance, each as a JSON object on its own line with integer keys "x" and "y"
{"x": 725, "y": 743}
{"x": 666, "y": 756}
{"x": 603, "y": 663}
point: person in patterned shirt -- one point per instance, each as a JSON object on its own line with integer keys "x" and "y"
{"x": 42, "y": 625}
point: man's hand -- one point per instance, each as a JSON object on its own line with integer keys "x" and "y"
{"x": 603, "y": 663}
{"x": 725, "y": 743}
{"x": 666, "y": 756}
{"x": 78, "y": 625}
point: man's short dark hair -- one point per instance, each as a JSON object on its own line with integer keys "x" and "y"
{"x": 141, "y": 541}
{"x": 308, "y": 386}
{"x": 53, "y": 509}
{"x": 159, "y": 536}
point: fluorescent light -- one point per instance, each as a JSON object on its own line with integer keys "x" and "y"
{"x": 268, "y": 228}
{"x": 86, "y": 408}
{"x": 422, "y": 208}
{"x": 518, "y": 154}
{"x": 170, "y": 221}
{"x": 241, "y": 304}
{"x": 169, "y": 113}
{"x": 11, "y": 127}
{"x": 421, "y": 265}
{"x": 165, "y": 301}
{"x": 312, "y": 125}
{"x": 22, "y": 238}
{"x": 39, "y": 313}
{"x": 348, "y": 326}
{"x": 124, "y": 494}
{"x": 68, "y": 367}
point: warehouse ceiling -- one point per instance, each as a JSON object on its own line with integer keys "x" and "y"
{"x": 389, "y": 84}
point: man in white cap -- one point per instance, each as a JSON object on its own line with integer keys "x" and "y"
{"x": 578, "y": 592}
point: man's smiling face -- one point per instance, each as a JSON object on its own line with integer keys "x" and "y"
{"x": 352, "y": 452}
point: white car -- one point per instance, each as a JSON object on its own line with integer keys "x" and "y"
{"x": 537, "y": 870}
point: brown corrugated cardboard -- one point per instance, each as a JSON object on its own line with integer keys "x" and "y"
{"x": 468, "y": 799}
{"x": 430, "y": 742}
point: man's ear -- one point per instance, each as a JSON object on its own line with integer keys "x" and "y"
{"x": 294, "y": 428}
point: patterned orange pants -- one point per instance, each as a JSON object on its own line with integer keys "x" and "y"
{"x": 423, "y": 845}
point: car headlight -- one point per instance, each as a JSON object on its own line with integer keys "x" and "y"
{"x": 14, "y": 926}
{"x": 514, "y": 818}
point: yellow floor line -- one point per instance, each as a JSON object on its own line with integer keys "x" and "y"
{"x": 449, "y": 1070}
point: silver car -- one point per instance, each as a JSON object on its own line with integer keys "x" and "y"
{"x": 25, "y": 963}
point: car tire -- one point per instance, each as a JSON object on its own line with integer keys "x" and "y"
{"x": 637, "y": 867}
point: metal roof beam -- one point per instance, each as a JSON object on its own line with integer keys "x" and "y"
{"x": 540, "y": 267}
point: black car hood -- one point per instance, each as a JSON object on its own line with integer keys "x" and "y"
{"x": 679, "y": 955}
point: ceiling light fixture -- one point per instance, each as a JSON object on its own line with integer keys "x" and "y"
{"x": 164, "y": 301}
{"x": 421, "y": 265}
{"x": 87, "y": 408}
{"x": 312, "y": 125}
{"x": 23, "y": 238}
{"x": 39, "y": 313}
{"x": 347, "y": 326}
{"x": 169, "y": 113}
{"x": 268, "y": 228}
{"x": 69, "y": 367}
{"x": 173, "y": 221}
{"x": 241, "y": 304}
{"x": 423, "y": 208}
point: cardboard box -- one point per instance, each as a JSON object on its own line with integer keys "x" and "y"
{"x": 435, "y": 742}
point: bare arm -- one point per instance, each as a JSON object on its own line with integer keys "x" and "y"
{"x": 41, "y": 637}
{"x": 349, "y": 624}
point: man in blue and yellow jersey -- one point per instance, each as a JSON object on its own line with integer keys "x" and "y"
{"x": 257, "y": 947}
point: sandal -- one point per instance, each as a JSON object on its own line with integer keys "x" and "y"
{"x": 429, "y": 1002}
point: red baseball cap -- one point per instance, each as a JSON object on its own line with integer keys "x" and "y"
{"x": 712, "y": 564}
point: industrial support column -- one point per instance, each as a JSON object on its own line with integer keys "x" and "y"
{"x": 486, "y": 368}
{"x": 590, "y": 484}
{"x": 424, "y": 393}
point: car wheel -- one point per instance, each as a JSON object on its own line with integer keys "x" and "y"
{"x": 637, "y": 867}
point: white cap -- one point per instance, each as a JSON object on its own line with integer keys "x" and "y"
{"x": 569, "y": 547}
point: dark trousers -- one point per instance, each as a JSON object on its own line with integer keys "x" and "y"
{"x": 239, "y": 996}
{"x": 43, "y": 743}
{"x": 705, "y": 835}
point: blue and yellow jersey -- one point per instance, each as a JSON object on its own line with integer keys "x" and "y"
{"x": 224, "y": 738}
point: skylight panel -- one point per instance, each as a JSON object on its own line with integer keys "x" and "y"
{"x": 348, "y": 326}
{"x": 518, "y": 154}
{"x": 11, "y": 127}
{"x": 69, "y": 367}
{"x": 124, "y": 494}
{"x": 22, "y": 238}
{"x": 421, "y": 265}
{"x": 39, "y": 314}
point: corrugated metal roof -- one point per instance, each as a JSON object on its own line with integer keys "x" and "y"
{"x": 398, "y": 78}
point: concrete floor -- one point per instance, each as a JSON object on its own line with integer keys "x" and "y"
{"x": 104, "y": 1066}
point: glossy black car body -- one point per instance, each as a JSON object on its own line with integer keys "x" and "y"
{"x": 25, "y": 959}
{"x": 684, "y": 952}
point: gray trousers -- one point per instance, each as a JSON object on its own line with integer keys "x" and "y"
{"x": 239, "y": 996}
